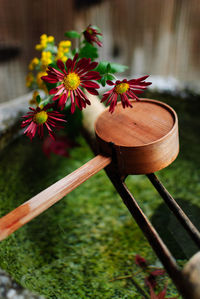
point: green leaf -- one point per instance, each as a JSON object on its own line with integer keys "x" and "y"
{"x": 88, "y": 51}
{"x": 38, "y": 99}
{"x": 72, "y": 34}
{"x": 50, "y": 85}
{"x": 103, "y": 81}
{"x": 110, "y": 77}
{"x": 106, "y": 77}
{"x": 74, "y": 51}
{"x": 105, "y": 67}
{"x": 44, "y": 102}
{"x": 54, "y": 65}
{"x": 118, "y": 68}
{"x": 96, "y": 28}
{"x": 108, "y": 68}
{"x": 102, "y": 67}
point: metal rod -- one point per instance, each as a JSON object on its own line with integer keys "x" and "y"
{"x": 176, "y": 209}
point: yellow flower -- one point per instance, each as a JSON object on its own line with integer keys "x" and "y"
{"x": 38, "y": 47}
{"x": 63, "y": 48}
{"x": 68, "y": 43}
{"x": 64, "y": 59}
{"x": 29, "y": 79}
{"x": 66, "y": 50}
{"x": 46, "y": 54}
{"x": 43, "y": 43}
{"x": 65, "y": 44}
{"x": 50, "y": 39}
{"x": 35, "y": 61}
{"x": 61, "y": 56}
{"x": 46, "y": 59}
{"x": 40, "y": 82}
{"x": 33, "y": 100}
{"x": 44, "y": 40}
{"x": 43, "y": 37}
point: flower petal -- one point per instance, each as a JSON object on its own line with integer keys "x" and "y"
{"x": 89, "y": 84}
{"x": 49, "y": 79}
{"x": 57, "y": 90}
{"x": 55, "y": 72}
{"x": 68, "y": 63}
{"x": 61, "y": 66}
{"x": 62, "y": 101}
{"x": 109, "y": 82}
{"x": 92, "y": 91}
{"x": 92, "y": 75}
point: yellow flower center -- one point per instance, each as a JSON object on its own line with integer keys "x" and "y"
{"x": 90, "y": 31}
{"x": 40, "y": 117}
{"x": 71, "y": 81}
{"x": 121, "y": 88}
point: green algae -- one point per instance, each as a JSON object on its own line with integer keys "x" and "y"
{"x": 75, "y": 248}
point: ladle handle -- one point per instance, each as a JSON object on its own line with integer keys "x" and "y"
{"x": 45, "y": 199}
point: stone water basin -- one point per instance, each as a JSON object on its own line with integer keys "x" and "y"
{"x": 76, "y": 247}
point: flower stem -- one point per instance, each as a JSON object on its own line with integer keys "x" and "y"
{"x": 125, "y": 277}
{"x": 121, "y": 277}
{"x": 139, "y": 288}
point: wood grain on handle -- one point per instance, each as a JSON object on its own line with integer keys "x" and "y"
{"x": 45, "y": 199}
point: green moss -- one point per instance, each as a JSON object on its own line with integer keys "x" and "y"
{"x": 75, "y": 248}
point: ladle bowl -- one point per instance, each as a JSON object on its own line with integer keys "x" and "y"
{"x": 143, "y": 139}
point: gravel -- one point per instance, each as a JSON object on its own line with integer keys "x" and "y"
{"x": 9, "y": 289}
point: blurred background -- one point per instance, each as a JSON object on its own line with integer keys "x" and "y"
{"x": 157, "y": 37}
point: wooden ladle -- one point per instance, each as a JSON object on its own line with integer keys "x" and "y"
{"x": 138, "y": 140}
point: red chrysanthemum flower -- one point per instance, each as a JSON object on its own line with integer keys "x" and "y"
{"x": 150, "y": 280}
{"x": 140, "y": 261}
{"x": 78, "y": 74}
{"x": 125, "y": 89}
{"x": 91, "y": 37}
{"x": 60, "y": 146}
{"x": 37, "y": 118}
{"x": 161, "y": 294}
